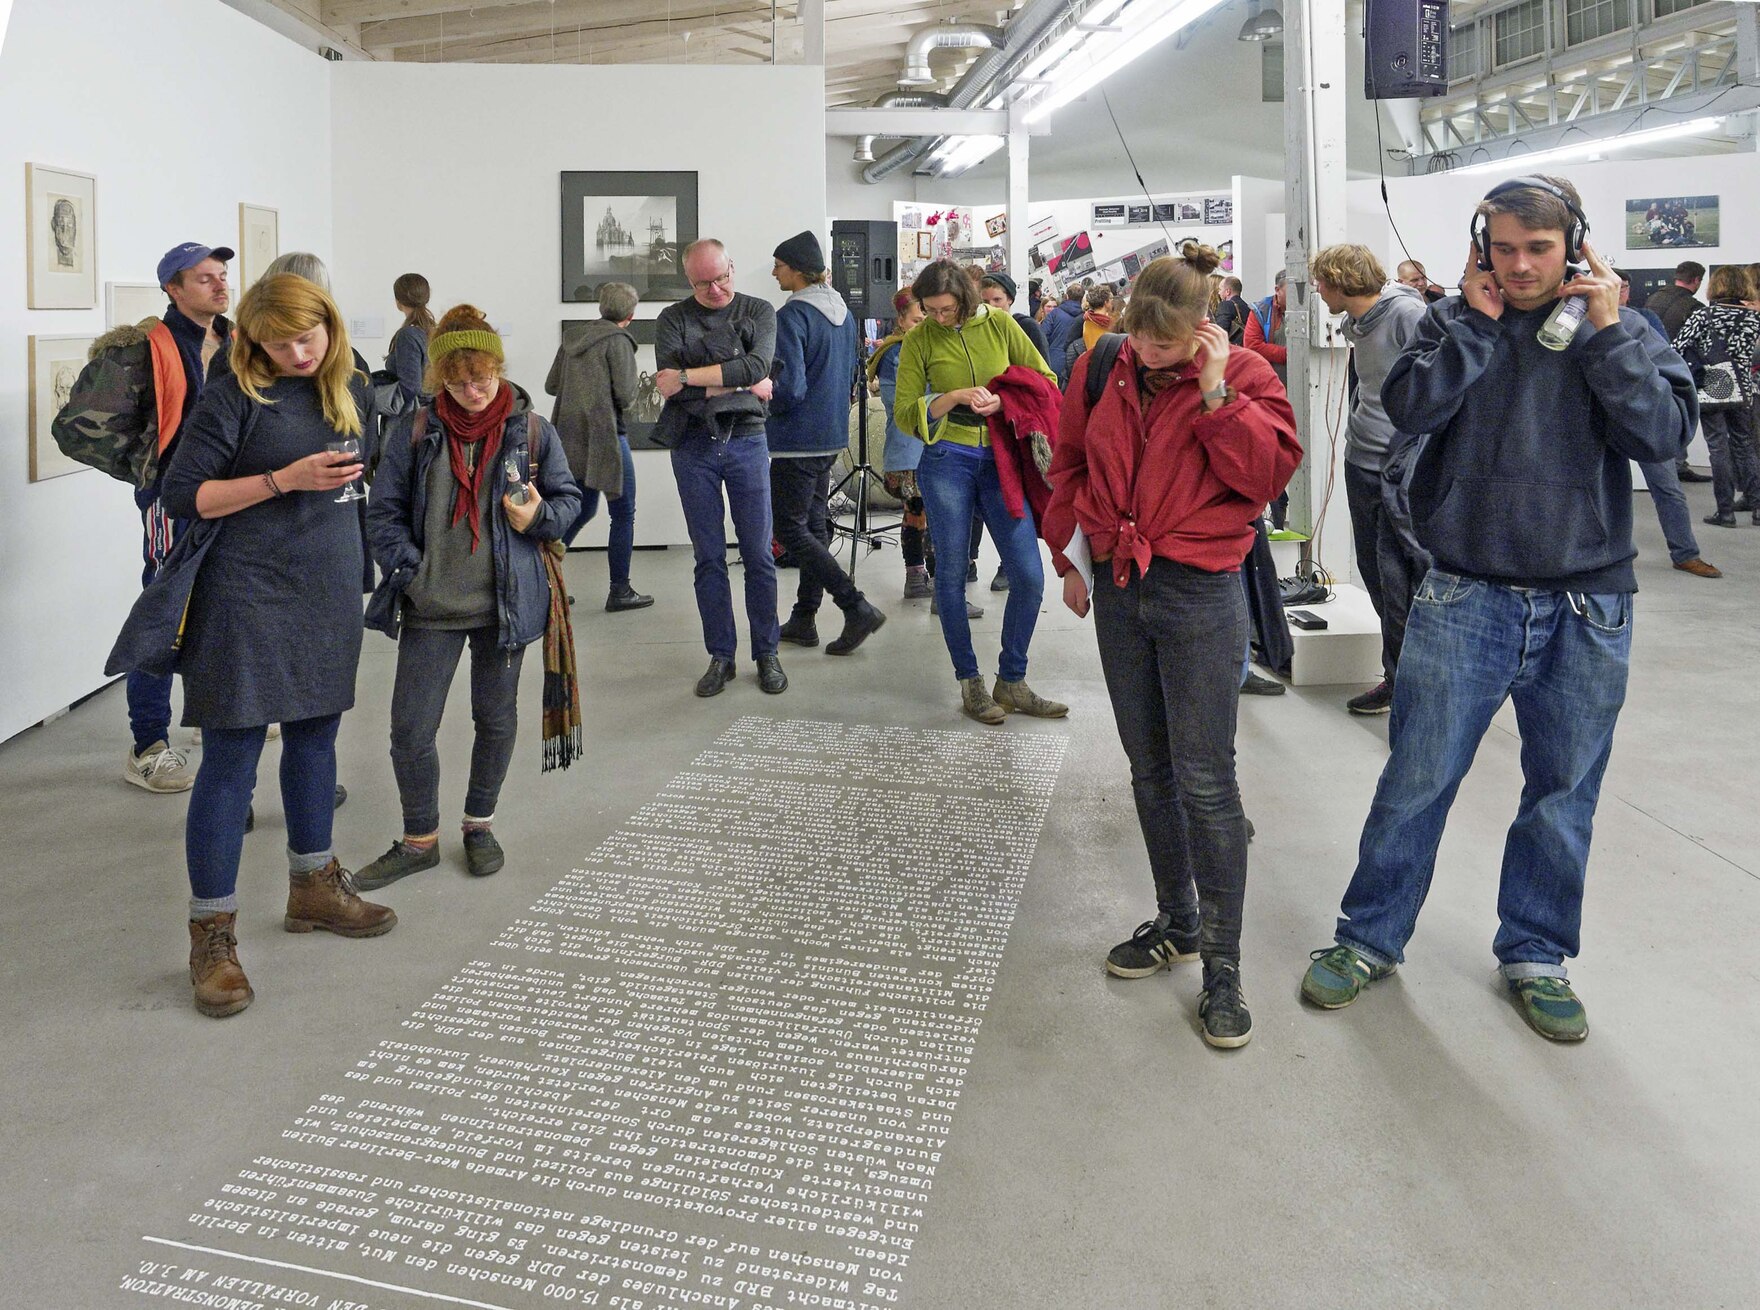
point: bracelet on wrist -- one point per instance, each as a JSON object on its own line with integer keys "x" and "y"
{"x": 275, "y": 492}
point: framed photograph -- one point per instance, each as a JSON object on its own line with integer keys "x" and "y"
{"x": 61, "y": 238}
{"x": 627, "y": 227}
{"x": 1217, "y": 212}
{"x": 1673, "y": 223}
{"x": 55, "y": 364}
{"x": 925, "y": 245}
{"x": 259, "y": 242}
{"x": 996, "y": 225}
{"x": 1139, "y": 215}
{"x": 640, "y": 418}
{"x": 130, "y": 302}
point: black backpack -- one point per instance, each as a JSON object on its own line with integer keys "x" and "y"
{"x": 1101, "y": 357}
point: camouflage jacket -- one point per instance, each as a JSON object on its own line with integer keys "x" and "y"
{"x": 111, "y": 419}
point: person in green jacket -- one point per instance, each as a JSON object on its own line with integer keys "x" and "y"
{"x": 942, "y": 398}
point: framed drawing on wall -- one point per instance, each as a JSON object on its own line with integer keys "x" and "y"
{"x": 130, "y": 302}
{"x": 259, "y": 241}
{"x": 627, "y": 227}
{"x": 640, "y": 418}
{"x": 55, "y": 364}
{"x": 61, "y": 238}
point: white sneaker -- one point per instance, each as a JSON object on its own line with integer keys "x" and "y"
{"x": 160, "y": 769}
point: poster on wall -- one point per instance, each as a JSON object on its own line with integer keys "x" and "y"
{"x": 1139, "y": 215}
{"x": 996, "y": 225}
{"x": 1673, "y": 222}
{"x": 1217, "y": 212}
{"x": 1043, "y": 229}
{"x": 640, "y": 417}
{"x": 1113, "y": 274}
{"x": 1108, "y": 214}
{"x": 259, "y": 242}
{"x": 1075, "y": 256}
{"x": 61, "y": 238}
{"x": 627, "y": 227}
{"x": 130, "y": 302}
{"x": 55, "y": 364}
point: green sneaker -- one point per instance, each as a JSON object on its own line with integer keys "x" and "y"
{"x": 1552, "y": 1008}
{"x": 1337, "y": 975}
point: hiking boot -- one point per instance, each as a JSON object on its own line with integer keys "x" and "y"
{"x": 772, "y": 681}
{"x": 1338, "y": 975}
{"x": 482, "y": 853}
{"x": 1377, "y": 700}
{"x": 917, "y": 585}
{"x": 719, "y": 674}
{"x": 398, "y": 862}
{"x": 1000, "y": 581}
{"x": 859, "y": 624}
{"x": 622, "y": 598}
{"x": 1254, "y": 685}
{"x": 1018, "y": 698}
{"x": 1154, "y": 946}
{"x": 802, "y": 629}
{"x": 972, "y": 611}
{"x": 159, "y": 769}
{"x": 326, "y": 898}
{"x": 1223, "y": 1006}
{"x": 1551, "y": 1008}
{"x": 221, "y": 987}
{"x": 1699, "y": 568}
{"x": 976, "y": 703}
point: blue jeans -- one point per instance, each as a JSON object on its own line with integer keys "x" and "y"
{"x": 703, "y": 467}
{"x": 622, "y": 509}
{"x": 1470, "y": 645}
{"x": 149, "y": 694}
{"x": 956, "y": 481}
{"x": 1671, "y": 510}
{"x": 214, "y": 830}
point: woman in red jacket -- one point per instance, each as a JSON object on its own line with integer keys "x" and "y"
{"x": 1163, "y": 477}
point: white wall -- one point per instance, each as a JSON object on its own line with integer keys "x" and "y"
{"x": 478, "y": 216}
{"x": 172, "y": 165}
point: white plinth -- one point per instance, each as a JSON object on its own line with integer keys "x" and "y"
{"x": 1349, "y": 650}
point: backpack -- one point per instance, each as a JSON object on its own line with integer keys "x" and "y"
{"x": 1101, "y": 357}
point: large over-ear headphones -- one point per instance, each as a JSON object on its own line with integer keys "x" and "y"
{"x": 1574, "y": 235}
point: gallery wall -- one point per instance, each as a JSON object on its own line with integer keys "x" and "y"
{"x": 92, "y": 86}
{"x": 479, "y": 217}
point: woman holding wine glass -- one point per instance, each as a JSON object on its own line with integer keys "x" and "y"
{"x": 273, "y": 629}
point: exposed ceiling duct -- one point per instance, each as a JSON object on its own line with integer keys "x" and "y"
{"x": 896, "y": 100}
{"x": 948, "y": 36}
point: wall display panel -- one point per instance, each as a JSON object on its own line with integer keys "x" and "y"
{"x": 1673, "y": 223}
{"x": 627, "y": 227}
{"x": 259, "y": 242}
{"x": 61, "y": 238}
{"x": 130, "y": 302}
{"x": 640, "y": 418}
{"x": 55, "y": 364}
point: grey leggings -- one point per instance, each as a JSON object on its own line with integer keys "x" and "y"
{"x": 426, "y": 660}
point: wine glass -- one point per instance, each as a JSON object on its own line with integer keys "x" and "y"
{"x": 350, "y": 450}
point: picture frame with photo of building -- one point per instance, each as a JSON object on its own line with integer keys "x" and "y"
{"x": 61, "y": 238}
{"x": 629, "y": 227}
{"x": 55, "y": 364}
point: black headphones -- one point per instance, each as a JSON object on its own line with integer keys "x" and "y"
{"x": 1574, "y": 235}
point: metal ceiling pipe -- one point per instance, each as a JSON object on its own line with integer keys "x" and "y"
{"x": 950, "y": 36}
{"x": 895, "y": 100}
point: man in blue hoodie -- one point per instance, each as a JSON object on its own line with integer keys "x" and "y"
{"x": 1061, "y": 324}
{"x": 817, "y": 347}
{"x": 1523, "y": 496}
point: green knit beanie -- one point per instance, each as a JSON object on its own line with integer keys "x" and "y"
{"x": 477, "y": 339}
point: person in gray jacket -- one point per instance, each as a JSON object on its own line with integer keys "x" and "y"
{"x": 594, "y": 380}
{"x": 1380, "y": 317}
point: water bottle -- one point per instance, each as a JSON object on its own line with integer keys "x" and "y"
{"x": 516, "y": 486}
{"x": 1562, "y": 323}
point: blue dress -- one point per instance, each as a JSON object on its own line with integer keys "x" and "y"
{"x": 903, "y": 451}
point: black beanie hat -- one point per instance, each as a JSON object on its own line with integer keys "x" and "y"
{"x": 1004, "y": 281}
{"x": 801, "y": 252}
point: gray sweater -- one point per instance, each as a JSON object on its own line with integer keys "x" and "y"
{"x": 1378, "y": 337}
{"x": 741, "y": 337}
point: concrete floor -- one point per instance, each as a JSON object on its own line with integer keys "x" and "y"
{"x": 1422, "y": 1148}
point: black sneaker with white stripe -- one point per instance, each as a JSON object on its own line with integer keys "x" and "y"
{"x": 1223, "y": 1007}
{"x": 1154, "y": 946}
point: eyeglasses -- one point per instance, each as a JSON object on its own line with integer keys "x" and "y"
{"x": 472, "y": 384}
{"x": 724, "y": 282}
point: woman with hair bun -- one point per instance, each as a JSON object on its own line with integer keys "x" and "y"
{"x": 407, "y": 360}
{"x": 471, "y": 492}
{"x": 273, "y": 629}
{"x": 1163, "y": 475}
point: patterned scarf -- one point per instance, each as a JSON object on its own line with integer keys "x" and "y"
{"x": 464, "y": 429}
{"x": 562, "y": 692}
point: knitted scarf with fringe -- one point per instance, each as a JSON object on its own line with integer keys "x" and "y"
{"x": 562, "y": 692}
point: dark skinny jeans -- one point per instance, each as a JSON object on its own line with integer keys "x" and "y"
{"x": 1170, "y": 648}
{"x": 800, "y": 490}
{"x": 426, "y": 660}
{"x": 214, "y": 828}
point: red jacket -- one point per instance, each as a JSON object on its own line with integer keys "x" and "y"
{"x": 1181, "y": 483}
{"x": 1030, "y": 405}
{"x": 1255, "y": 341}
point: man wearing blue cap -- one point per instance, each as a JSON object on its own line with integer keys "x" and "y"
{"x": 135, "y": 394}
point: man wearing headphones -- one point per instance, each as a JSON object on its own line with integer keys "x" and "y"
{"x": 1523, "y": 495}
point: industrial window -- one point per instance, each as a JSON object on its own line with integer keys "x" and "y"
{"x": 1520, "y": 32}
{"x": 1584, "y": 20}
{"x": 1463, "y": 52}
{"x": 1663, "y": 8}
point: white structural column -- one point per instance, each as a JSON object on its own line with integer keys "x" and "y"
{"x": 1314, "y": 83}
{"x": 812, "y": 16}
{"x": 1018, "y": 225}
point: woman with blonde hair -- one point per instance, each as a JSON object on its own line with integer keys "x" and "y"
{"x": 273, "y": 629}
{"x": 1163, "y": 471}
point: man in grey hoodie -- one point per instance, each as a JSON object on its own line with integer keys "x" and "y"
{"x": 1379, "y": 318}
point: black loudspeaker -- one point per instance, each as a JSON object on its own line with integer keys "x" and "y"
{"x": 864, "y": 265}
{"x": 1405, "y": 45}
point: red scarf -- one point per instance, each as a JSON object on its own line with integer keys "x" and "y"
{"x": 464, "y": 428}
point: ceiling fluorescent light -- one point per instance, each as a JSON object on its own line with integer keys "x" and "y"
{"x": 1579, "y": 149}
{"x": 968, "y": 152}
{"x": 1146, "y": 25}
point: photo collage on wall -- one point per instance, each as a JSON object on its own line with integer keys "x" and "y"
{"x": 927, "y": 233}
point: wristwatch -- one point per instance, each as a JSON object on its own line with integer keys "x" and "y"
{"x": 1221, "y": 393}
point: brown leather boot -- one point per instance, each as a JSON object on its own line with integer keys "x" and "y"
{"x": 325, "y": 898}
{"x": 221, "y": 987}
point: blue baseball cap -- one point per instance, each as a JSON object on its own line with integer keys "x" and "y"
{"x": 188, "y": 255}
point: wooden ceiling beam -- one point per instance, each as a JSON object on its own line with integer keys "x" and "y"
{"x": 598, "y": 16}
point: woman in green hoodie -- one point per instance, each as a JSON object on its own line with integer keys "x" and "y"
{"x": 942, "y": 398}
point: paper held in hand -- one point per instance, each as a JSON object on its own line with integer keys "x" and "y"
{"x": 1076, "y": 552}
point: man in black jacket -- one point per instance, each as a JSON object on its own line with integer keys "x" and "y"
{"x": 1523, "y": 496}
{"x": 1674, "y": 306}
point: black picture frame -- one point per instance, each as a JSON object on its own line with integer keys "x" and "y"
{"x": 639, "y": 423}
{"x": 668, "y": 197}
